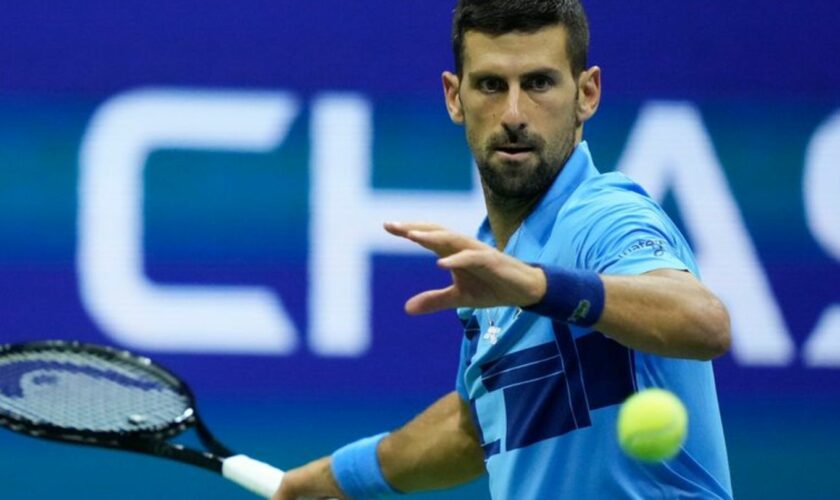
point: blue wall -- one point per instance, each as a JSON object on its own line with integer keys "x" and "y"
{"x": 761, "y": 77}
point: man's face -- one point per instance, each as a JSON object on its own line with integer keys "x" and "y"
{"x": 519, "y": 103}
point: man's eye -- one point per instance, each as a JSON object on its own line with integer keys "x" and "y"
{"x": 490, "y": 85}
{"x": 540, "y": 83}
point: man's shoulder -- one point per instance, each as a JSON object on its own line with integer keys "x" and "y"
{"x": 607, "y": 193}
{"x": 610, "y": 183}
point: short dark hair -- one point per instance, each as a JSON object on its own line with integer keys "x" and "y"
{"x": 497, "y": 17}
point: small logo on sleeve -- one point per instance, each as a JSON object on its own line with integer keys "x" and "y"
{"x": 658, "y": 247}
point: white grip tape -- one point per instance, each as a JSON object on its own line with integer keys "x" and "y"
{"x": 256, "y": 476}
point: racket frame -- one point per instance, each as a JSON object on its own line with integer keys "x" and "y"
{"x": 150, "y": 441}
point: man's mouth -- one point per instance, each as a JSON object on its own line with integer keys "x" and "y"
{"x": 514, "y": 152}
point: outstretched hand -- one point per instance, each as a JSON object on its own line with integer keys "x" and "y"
{"x": 481, "y": 275}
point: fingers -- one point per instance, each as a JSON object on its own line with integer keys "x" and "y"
{"x": 482, "y": 275}
{"x": 433, "y": 237}
{"x": 465, "y": 259}
{"x": 432, "y": 301}
{"x": 402, "y": 228}
{"x": 313, "y": 480}
{"x": 284, "y": 493}
{"x": 447, "y": 241}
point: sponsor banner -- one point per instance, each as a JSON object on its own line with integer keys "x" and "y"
{"x": 237, "y": 234}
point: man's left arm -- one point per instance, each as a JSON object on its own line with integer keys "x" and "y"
{"x": 664, "y": 311}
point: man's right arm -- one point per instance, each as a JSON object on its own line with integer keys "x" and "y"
{"x": 439, "y": 448}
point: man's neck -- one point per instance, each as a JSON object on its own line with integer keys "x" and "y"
{"x": 505, "y": 216}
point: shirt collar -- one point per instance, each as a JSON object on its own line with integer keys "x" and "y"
{"x": 577, "y": 169}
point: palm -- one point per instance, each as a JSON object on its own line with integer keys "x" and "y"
{"x": 475, "y": 288}
{"x": 481, "y": 275}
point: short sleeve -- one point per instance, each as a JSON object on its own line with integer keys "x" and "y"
{"x": 629, "y": 234}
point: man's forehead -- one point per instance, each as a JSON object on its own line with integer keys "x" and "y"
{"x": 516, "y": 50}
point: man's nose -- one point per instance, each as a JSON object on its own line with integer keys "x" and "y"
{"x": 513, "y": 118}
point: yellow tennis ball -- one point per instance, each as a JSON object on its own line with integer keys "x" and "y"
{"x": 652, "y": 425}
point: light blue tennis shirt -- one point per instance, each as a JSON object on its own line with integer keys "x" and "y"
{"x": 545, "y": 395}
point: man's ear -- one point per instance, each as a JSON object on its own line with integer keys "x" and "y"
{"x": 589, "y": 93}
{"x": 451, "y": 88}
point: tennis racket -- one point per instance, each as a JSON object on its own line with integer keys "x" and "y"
{"x": 98, "y": 396}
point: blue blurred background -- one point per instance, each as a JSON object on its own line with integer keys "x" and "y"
{"x": 204, "y": 182}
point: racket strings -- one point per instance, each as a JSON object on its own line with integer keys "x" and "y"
{"x": 84, "y": 391}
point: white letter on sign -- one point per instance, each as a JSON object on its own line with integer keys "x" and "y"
{"x": 669, "y": 148}
{"x": 346, "y": 223}
{"x": 822, "y": 209}
{"x": 120, "y": 298}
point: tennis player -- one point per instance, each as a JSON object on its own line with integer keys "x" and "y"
{"x": 577, "y": 292}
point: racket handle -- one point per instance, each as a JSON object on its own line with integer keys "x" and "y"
{"x": 253, "y": 475}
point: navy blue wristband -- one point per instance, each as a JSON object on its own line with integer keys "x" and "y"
{"x": 357, "y": 471}
{"x": 572, "y": 296}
